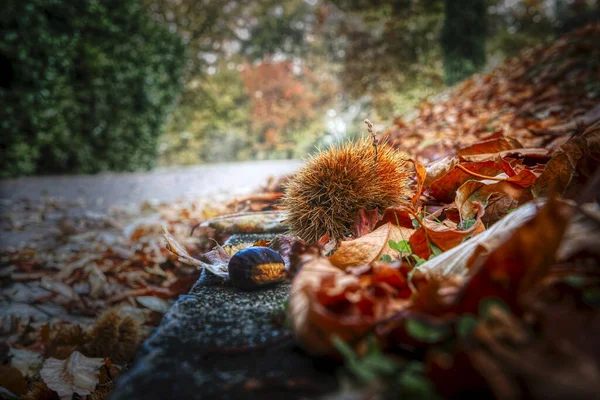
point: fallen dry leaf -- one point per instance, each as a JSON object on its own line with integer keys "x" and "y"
{"x": 312, "y": 267}
{"x": 218, "y": 268}
{"x": 438, "y": 169}
{"x": 473, "y": 192}
{"x": 442, "y": 234}
{"x": 454, "y": 261}
{"x": 75, "y": 375}
{"x": 365, "y": 221}
{"x": 443, "y": 189}
{"x": 572, "y": 165}
{"x": 421, "y": 176}
{"x": 513, "y": 268}
{"x": 12, "y": 380}
{"x": 370, "y": 247}
{"x": 252, "y": 222}
{"x": 326, "y": 301}
{"x": 490, "y": 146}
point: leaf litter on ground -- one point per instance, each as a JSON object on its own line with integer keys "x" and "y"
{"x": 487, "y": 282}
{"x": 57, "y": 287}
{"x": 494, "y": 257}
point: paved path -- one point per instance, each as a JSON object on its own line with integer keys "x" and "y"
{"x": 99, "y": 193}
{"x": 102, "y": 191}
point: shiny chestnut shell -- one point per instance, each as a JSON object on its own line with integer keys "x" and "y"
{"x": 254, "y": 267}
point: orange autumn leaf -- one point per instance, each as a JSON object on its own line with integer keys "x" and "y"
{"x": 444, "y": 188}
{"x": 572, "y": 165}
{"x": 369, "y": 248}
{"x": 311, "y": 321}
{"x": 480, "y": 192}
{"x": 420, "y": 174}
{"x": 513, "y": 268}
{"x": 399, "y": 216}
{"x": 326, "y": 301}
{"x": 438, "y": 169}
{"x": 366, "y": 221}
{"x": 530, "y": 154}
{"x": 490, "y": 146}
{"x": 444, "y": 236}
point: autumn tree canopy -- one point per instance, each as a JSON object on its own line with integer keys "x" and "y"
{"x": 346, "y": 59}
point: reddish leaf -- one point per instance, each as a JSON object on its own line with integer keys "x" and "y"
{"x": 444, "y": 188}
{"x": 472, "y": 192}
{"x": 512, "y": 269}
{"x": 529, "y": 154}
{"x": 572, "y": 165}
{"x": 420, "y": 174}
{"x": 444, "y": 236}
{"x": 366, "y": 221}
{"x": 369, "y": 248}
{"x": 419, "y": 244}
{"x": 396, "y": 216}
{"x": 490, "y": 146}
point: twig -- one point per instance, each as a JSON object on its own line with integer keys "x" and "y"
{"x": 375, "y": 140}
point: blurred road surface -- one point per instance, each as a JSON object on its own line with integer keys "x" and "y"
{"x": 102, "y": 191}
{"x": 98, "y": 193}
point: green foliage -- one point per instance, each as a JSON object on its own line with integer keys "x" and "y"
{"x": 425, "y": 332}
{"x": 463, "y": 38}
{"x": 211, "y": 122}
{"x": 89, "y": 85}
{"x": 418, "y": 259}
{"x": 386, "y": 258}
{"x": 369, "y": 367}
{"x": 488, "y": 304}
{"x": 406, "y": 381}
{"x": 413, "y": 384}
{"x": 435, "y": 251}
{"x": 465, "y": 325}
{"x": 401, "y": 246}
{"x": 391, "y": 51}
{"x": 281, "y": 28}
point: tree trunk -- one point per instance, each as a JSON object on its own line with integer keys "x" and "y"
{"x": 463, "y": 38}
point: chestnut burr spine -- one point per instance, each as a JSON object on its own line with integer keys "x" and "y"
{"x": 326, "y": 194}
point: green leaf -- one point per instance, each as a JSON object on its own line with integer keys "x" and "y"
{"x": 435, "y": 251}
{"x": 488, "y": 303}
{"x": 401, "y": 246}
{"x": 425, "y": 332}
{"x": 591, "y": 297}
{"x": 414, "y": 384}
{"x": 465, "y": 325}
{"x": 372, "y": 366}
{"x": 466, "y": 224}
{"x": 576, "y": 281}
{"x": 342, "y": 347}
{"x": 418, "y": 259}
{"x": 466, "y": 238}
{"x": 386, "y": 258}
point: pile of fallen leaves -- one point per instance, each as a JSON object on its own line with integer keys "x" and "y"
{"x": 489, "y": 283}
{"x": 78, "y": 297}
{"x": 538, "y": 98}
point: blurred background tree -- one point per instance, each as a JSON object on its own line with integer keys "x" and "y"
{"x": 89, "y": 85}
{"x": 463, "y": 38}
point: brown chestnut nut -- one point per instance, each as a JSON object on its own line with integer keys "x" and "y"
{"x": 255, "y": 267}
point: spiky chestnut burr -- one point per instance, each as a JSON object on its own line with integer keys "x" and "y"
{"x": 325, "y": 195}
